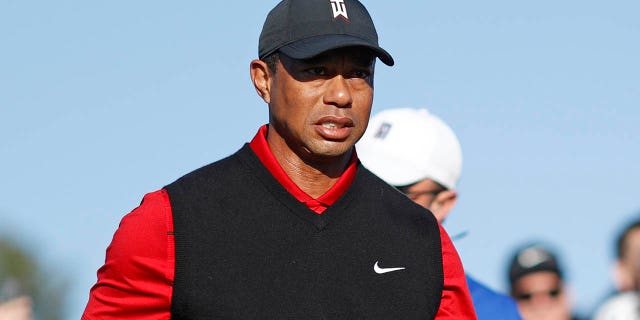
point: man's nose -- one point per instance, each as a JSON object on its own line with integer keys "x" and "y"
{"x": 338, "y": 92}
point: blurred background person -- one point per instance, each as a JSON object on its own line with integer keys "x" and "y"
{"x": 626, "y": 277}
{"x": 421, "y": 156}
{"x": 29, "y": 290}
{"x": 16, "y": 309}
{"x": 15, "y": 304}
{"x": 537, "y": 284}
{"x": 624, "y": 301}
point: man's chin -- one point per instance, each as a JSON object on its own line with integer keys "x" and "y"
{"x": 330, "y": 150}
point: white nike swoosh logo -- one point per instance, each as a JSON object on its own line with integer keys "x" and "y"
{"x": 379, "y": 270}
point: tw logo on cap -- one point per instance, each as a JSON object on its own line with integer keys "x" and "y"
{"x": 339, "y": 9}
{"x": 383, "y": 130}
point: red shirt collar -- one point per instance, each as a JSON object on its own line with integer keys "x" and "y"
{"x": 261, "y": 148}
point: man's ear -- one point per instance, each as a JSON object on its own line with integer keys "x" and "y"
{"x": 443, "y": 203}
{"x": 261, "y": 78}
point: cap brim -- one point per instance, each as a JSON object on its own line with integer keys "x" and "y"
{"x": 392, "y": 172}
{"x": 311, "y": 47}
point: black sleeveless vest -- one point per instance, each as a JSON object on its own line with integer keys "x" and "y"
{"x": 247, "y": 249}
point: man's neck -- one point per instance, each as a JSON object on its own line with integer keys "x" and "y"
{"x": 312, "y": 177}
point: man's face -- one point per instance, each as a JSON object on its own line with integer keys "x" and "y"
{"x": 424, "y": 192}
{"x": 319, "y": 108}
{"x": 630, "y": 261}
{"x": 540, "y": 295}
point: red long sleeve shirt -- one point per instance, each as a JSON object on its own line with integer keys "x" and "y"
{"x": 136, "y": 281}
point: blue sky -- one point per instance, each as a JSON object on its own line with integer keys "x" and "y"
{"x": 103, "y": 102}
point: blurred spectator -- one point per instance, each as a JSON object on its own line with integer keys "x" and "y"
{"x": 624, "y": 302}
{"x": 420, "y": 155}
{"x": 16, "y": 309}
{"x": 628, "y": 258}
{"x": 537, "y": 283}
{"x": 14, "y": 303}
{"x": 27, "y": 289}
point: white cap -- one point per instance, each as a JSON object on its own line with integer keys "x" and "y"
{"x": 404, "y": 146}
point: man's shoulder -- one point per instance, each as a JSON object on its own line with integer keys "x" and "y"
{"x": 620, "y": 306}
{"x": 390, "y": 201}
{"x": 217, "y": 169}
{"x": 372, "y": 184}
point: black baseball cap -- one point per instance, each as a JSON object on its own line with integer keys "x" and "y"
{"x": 530, "y": 259}
{"x": 303, "y": 29}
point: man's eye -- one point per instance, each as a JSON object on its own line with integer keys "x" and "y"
{"x": 317, "y": 71}
{"x": 361, "y": 74}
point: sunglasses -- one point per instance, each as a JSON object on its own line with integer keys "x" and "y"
{"x": 415, "y": 194}
{"x": 553, "y": 293}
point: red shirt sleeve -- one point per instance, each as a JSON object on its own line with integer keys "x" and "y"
{"x": 136, "y": 280}
{"x": 456, "y": 300}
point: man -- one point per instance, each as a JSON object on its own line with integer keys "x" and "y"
{"x": 419, "y": 154}
{"x": 537, "y": 284}
{"x": 16, "y": 309}
{"x": 627, "y": 265}
{"x": 624, "y": 302}
{"x": 291, "y": 226}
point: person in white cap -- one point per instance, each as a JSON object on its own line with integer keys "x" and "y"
{"x": 420, "y": 155}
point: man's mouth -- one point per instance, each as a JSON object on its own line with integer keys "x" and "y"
{"x": 334, "y": 128}
{"x": 330, "y": 125}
